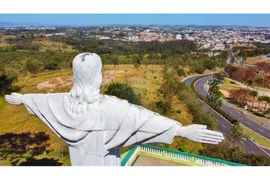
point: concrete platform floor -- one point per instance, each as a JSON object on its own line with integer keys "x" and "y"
{"x": 149, "y": 161}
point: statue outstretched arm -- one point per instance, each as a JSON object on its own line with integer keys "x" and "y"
{"x": 160, "y": 129}
{"x": 14, "y": 98}
{"x": 199, "y": 133}
{"x": 20, "y": 99}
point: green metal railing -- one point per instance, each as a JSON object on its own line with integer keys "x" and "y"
{"x": 193, "y": 158}
{"x": 128, "y": 156}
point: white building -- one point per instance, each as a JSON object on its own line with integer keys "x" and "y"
{"x": 186, "y": 36}
{"x": 178, "y": 36}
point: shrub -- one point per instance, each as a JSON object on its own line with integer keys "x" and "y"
{"x": 181, "y": 72}
{"x": 33, "y": 66}
{"x": 178, "y": 111}
{"x": 209, "y": 64}
{"x": 162, "y": 106}
{"x": 123, "y": 91}
{"x": 199, "y": 69}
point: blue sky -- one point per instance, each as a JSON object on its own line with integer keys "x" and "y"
{"x": 262, "y": 20}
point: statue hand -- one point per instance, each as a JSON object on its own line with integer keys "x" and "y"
{"x": 199, "y": 133}
{"x": 14, "y": 98}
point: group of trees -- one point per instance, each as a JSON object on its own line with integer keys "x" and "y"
{"x": 200, "y": 114}
{"x": 28, "y": 61}
{"x": 260, "y": 49}
{"x": 248, "y": 97}
{"x": 24, "y": 52}
{"x": 214, "y": 95}
{"x": 248, "y": 76}
{"x": 123, "y": 91}
{"x": 168, "y": 89}
{"x": 128, "y": 48}
{"x": 227, "y": 151}
{"x": 6, "y": 80}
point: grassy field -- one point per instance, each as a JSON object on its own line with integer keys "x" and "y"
{"x": 145, "y": 81}
{"x": 3, "y": 42}
{"x": 253, "y": 60}
{"x": 53, "y": 46}
{"x": 45, "y": 44}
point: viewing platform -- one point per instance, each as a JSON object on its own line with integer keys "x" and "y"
{"x": 147, "y": 155}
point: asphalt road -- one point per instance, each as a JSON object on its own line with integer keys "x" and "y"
{"x": 224, "y": 124}
{"x": 245, "y": 120}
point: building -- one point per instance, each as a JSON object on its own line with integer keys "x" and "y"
{"x": 186, "y": 36}
{"x": 178, "y": 37}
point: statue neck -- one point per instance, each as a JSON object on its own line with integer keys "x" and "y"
{"x": 78, "y": 99}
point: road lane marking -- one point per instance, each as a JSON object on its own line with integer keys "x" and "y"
{"x": 256, "y": 144}
{"x": 242, "y": 142}
{"x": 261, "y": 130}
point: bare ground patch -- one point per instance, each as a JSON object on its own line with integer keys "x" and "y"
{"x": 67, "y": 81}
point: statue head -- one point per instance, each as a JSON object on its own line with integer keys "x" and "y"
{"x": 87, "y": 75}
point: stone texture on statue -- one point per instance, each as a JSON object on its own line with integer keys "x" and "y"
{"x": 96, "y": 126}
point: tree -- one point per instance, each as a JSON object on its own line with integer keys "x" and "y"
{"x": 6, "y": 81}
{"x": 181, "y": 72}
{"x": 258, "y": 81}
{"x": 244, "y": 58}
{"x": 209, "y": 64}
{"x": 220, "y": 76}
{"x": 33, "y": 66}
{"x": 199, "y": 69}
{"x": 266, "y": 99}
{"x": 123, "y": 91}
{"x": 254, "y": 94}
{"x": 169, "y": 88}
{"x": 236, "y": 133}
{"x": 201, "y": 115}
{"x": 137, "y": 60}
{"x": 230, "y": 69}
{"x": 115, "y": 60}
{"x": 260, "y": 99}
{"x": 213, "y": 96}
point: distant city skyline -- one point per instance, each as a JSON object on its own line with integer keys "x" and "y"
{"x": 253, "y": 20}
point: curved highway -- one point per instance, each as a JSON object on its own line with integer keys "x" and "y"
{"x": 224, "y": 125}
{"x": 245, "y": 120}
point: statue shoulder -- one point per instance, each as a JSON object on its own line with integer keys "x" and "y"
{"x": 114, "y": 99}
{"x": 112, "y": 103}
{"x": 56, "y": 95}
{"x": 44, "y": 97}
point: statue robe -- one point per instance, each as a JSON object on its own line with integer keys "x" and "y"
{"x": 95, "y": 136}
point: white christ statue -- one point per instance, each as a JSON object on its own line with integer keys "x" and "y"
{"x": 96, "y": 126}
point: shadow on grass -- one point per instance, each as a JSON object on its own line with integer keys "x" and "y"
{"x": 40, "y": 162}
{"x": 17, "y": 146}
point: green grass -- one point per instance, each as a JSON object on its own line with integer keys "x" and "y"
{"x": 2, "y": 103}
{"x": 226, "y": 81}
{"x": 53, "y": 46}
